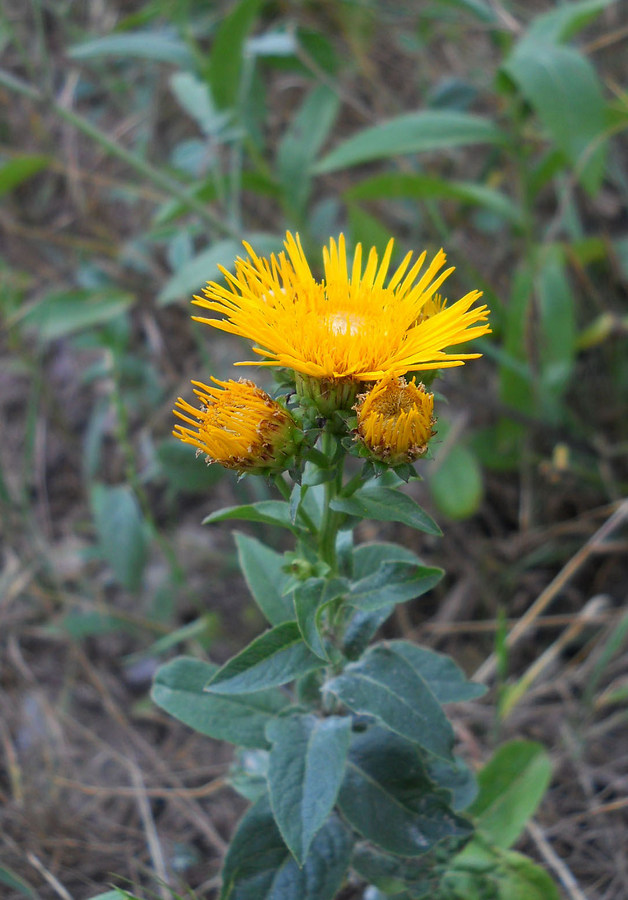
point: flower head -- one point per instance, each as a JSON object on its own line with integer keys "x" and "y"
{"x": 395, "y": 420}
{"x": 238, "y": 425}
{"x": 353, "y": 324}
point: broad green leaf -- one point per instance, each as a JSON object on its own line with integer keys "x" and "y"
{"x": 192, "y": 277}
{"x": 515, "y": 378}
{"x": 477, "y": 8}
{"x": 393, "y": 582}
{"x": 183, "y": 471}
{"x": 121, "y": 532}
{"x": 511, "y": 785}
{"x": 306, "y": 768}
{"x": 456, "y": 777}
{"x": 386, "y": 505}
{"x": 519, "y": 878}
{"x": 511, "y": 875}
{"x": 258, "y": 865}
{"x": 393, "y": 874}
{"x": 563, "y": 88}
{"x": 179, "y": 688}
{"x": 384, "y": 684}
{"x": 368, "y": 558}
{"x": 159, "y": 46}
{"x": 62, "y": 313}
{"x": 565, "y": 21}
{"x": 226, "y": 54}
{"x": 457, "y": 486}
{"x": 263, "y": 571}
{"x": 20, "y": 169}
{"x": 269, "y": 512}
{"x": 446, "y": 680}
{"x": 415, "y": 132}
{"x": 404, "y": 186}
{"x": 389, "y": 799}
{"x": 361, "y": 628}
{"x": 557, "y": 325}
{"x": 248, "y": 773}
{"x": 10, "y": 879}
{"x": 275, "y": 657}
{"x": 115, "y": 894}
{"x": 300, "y": 143}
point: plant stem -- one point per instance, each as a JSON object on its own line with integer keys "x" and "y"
{"x": 330, "y": 520}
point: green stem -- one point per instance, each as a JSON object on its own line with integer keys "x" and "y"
{"x": 330, "y": 520}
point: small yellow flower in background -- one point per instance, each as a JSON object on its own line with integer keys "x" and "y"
{"x": 238, "y": 426}
{"x": 356, "y": 324}
{"x": 395, "y": 420}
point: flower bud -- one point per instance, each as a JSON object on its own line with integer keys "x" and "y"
{"x": 238, "y": 426}
{"x": 395, "y": 420}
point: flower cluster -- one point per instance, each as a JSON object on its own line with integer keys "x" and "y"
{"x": 357, "y": 328}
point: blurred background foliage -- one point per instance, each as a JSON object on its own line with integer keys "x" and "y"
{"x": 140, "y": 142}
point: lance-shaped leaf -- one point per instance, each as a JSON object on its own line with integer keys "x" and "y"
{"x": 264, "y": 575}
{"x": 275, "y": 657}
{"x": 388, "y": 797}
{"x": 446, "y": 680}
{"x": 393, "y": 582}
{"x": 385, "y": 685}
{"x": 386, "y": 505}
{"x": 179, "y": 688}
{"x": 259, "y": 866}
{"x": 393, "y": 874}
{"x": 311, "y": 598}
{"x": 306, "y": 768}
{"x": 268, "y": 512}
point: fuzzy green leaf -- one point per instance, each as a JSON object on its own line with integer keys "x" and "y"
{"x": 226, "y": 55}
{"x": 121, "y": 532}
{"x": 275, "y": 657}
{"x": 384, "y": 684}
{"x": 386, "y": 505}
{"x": 258, "y": 865}
{"x": 179, "y": 688}
{"x": 264, "y": 575}
{"x": 393, "y": 582}
{"x": 389, "y": 798}
{"x": 306, "y": 768}
{"x": 446, "y": 680}
{"x": 268, "y": 512}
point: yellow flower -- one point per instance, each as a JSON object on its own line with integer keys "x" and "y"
{"x": 238, "y": 425}
{"x": 352, "y": 325}
{"x": 395, "y": 420}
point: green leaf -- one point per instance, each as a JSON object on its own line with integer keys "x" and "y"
{"x": 275, "y": 657}
{"x": 446, "y": 680}
{"x": 384, "y": 684}
{"x": 389, "y": 799}
{"x": 512, "y": 785}
{"x": 158, "y": 46}
{"x": 20, "y": 169}
{"x": 386, "y": 505}
{"x": 515, "y": 377}
{"x": 393, "y": 874}
{"x": 511, "y": 875}
{"x": 194, "y": 97}
{"x": 306, "y": 768}
{"x": 394, "y": 582}
{"x": 519, "y": 878}
{"x": 269, "y": 512}
{"x": 565, "y": 21}
{"x": 400, "y": 185}
{"x": 192, "y": 277}
{"x": 456, "y": 485}
{"x": 457, "y": 778}
{"x": 368, "y": 558}
{"x": 226, "y": 55}
{"x": 121, "y": 532}
{"x": 300, "y": 143}
{"x": 411, "y": 133}
{"x": 563, "y": 88}
{"x": 10, "y": 879}
{"x": 263, "y": 571}
{"x": 62, "y": 313}
{"x": 258, "y": 865}
{"x": 557, "y": 325}
{"x": 477, "y": 8}
{"x": 179, "y": 688}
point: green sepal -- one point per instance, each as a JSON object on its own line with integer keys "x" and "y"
{"x": 274, "y": 658}
{"x": 383, "y": 684}
{"x": 259, "y": 866}
{"x": 179, "y": 688}
{"x": 389, "y": 798}
{"x": 306, "y": 768}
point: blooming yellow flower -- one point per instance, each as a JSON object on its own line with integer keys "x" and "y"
{"x": 395, "y": 420}
{"x": 238, "y": 425}
{"x": 352, "y": 324}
